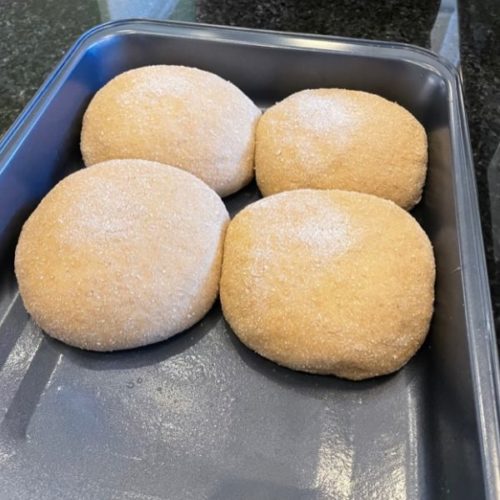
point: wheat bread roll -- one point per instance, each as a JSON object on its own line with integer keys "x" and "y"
{"x": 180, "y": 116}
{"x": 341, "y": 139}
{"x": 121, "y": 254}
{"x": 328, "y": 282}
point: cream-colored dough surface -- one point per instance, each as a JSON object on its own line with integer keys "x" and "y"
{"x": 122, "y": 254}
{"x": 341, "y": 139}
{"x": 328, "y": 282}
{"x": 180, "y": 116}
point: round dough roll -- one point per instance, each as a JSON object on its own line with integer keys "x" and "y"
{"x": 181, "y": 116}
{"x": 121, "y": 254}
{"x": 328, "y": 282}
{"x": 341, "y": 139}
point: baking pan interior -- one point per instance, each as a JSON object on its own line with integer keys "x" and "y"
{"x": 200, "y": 416}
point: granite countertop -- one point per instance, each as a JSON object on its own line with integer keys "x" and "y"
{"x": 35, "y": 34}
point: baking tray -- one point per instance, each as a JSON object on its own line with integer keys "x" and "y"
{"x": 200, "y": 416}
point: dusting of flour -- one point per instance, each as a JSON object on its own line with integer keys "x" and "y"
{"x": 156, "y": 86}
{"x": 316, "y": 124}
{"x": 325, "y": 235}
{"x": 323, "y": 114}
{"x": 317, "y": 229}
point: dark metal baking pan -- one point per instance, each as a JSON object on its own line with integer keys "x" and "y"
{"x": 200, "y": 416}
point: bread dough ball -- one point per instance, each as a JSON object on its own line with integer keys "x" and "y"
{"x": 341, "y": 139}
{"x": 176, "y": 115}
{"x": 328, "y": 282}
{"x": 121, "y": 254}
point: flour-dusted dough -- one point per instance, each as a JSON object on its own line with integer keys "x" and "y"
{"x": 341, "y": 139}
{"x": 181, "y": 116}
{"x": 122, "y": 254}
{"x": 328, "y": 282}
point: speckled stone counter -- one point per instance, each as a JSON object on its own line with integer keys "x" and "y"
{"x": 480, "y": 49}
{"x": 36, "y": 33}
